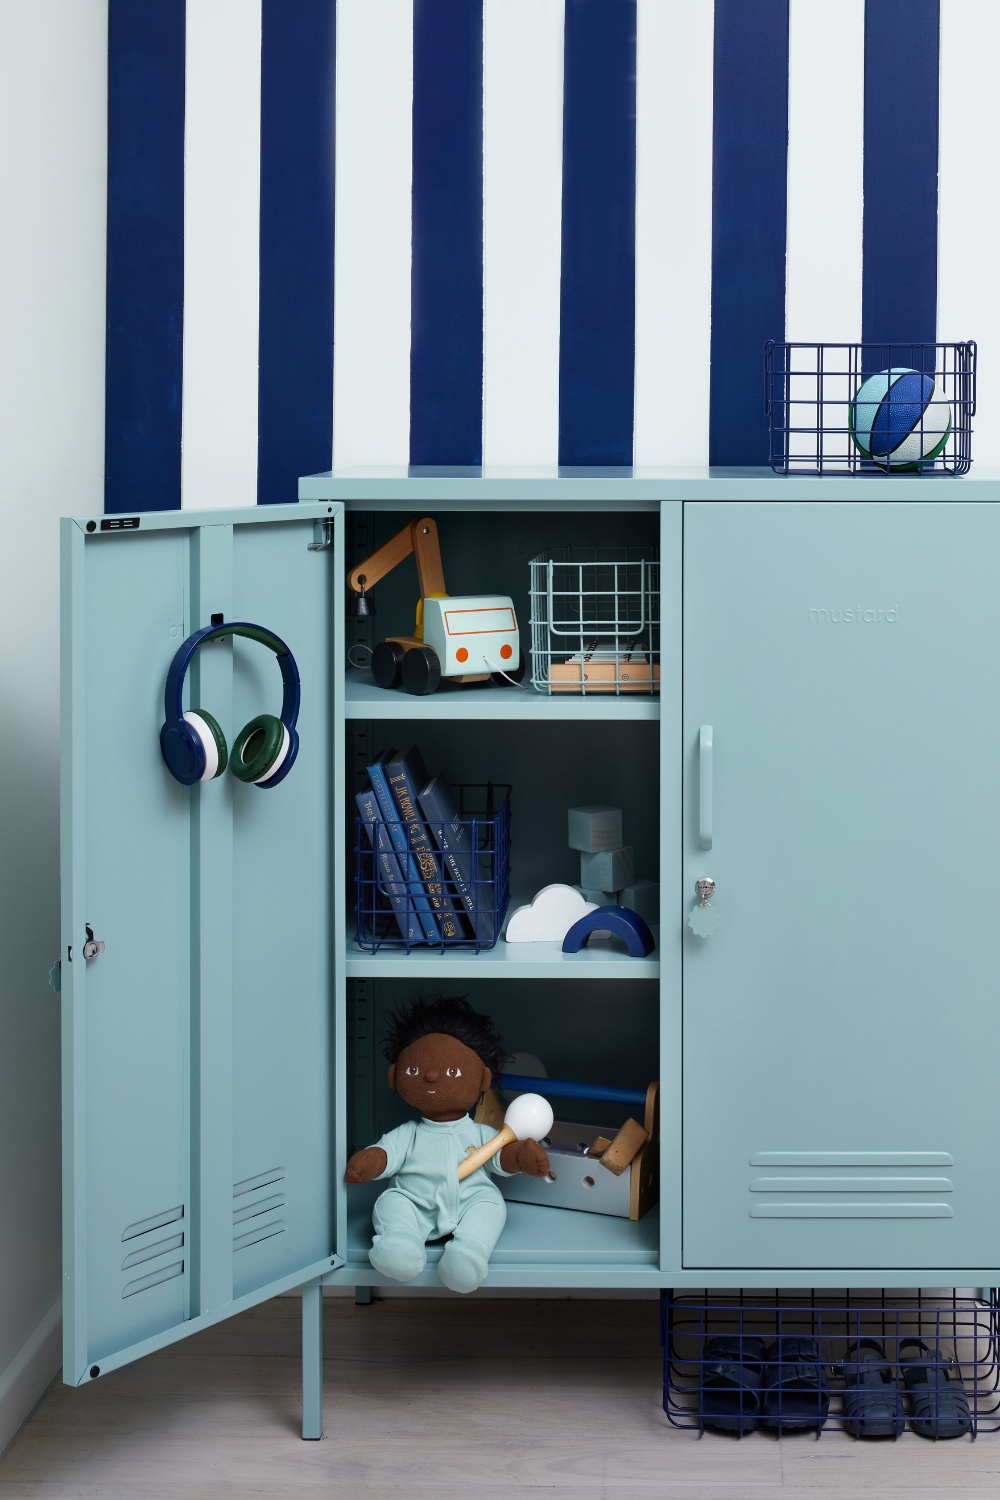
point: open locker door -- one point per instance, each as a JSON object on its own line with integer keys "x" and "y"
{"x": 198, "y": 1046}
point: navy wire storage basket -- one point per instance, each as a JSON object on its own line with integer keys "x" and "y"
{"x": 474, "y": 904}
{"x": 961, "y": 1332}
{"x": 921, "y": 423}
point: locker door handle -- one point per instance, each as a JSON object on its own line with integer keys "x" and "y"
{"x": 705, "y": 787}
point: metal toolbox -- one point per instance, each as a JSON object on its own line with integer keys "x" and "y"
{"x": 576, "y": 1180}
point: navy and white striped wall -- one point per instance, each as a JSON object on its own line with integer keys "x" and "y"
{"x": 521, "y": 232}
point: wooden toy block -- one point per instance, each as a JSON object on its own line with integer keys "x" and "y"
{"x": 626, "y": 1145}
{"x": 605, "y": 670}
{"x": 642, "y": 896}
{"x": 599, "y": 1147}
{"x": 595, "y": 827}
{"x": 644, "y": 1185}
{"x": 609, "y": 870}
{"x": 599, "y": 898}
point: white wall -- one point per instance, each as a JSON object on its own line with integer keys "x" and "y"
{"x": 53, "y": 130}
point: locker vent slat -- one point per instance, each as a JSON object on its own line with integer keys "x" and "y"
{"x": 251, "y": 1210}
{"x": 154, "y": 1279}
{"x": 156, "y": 1221}
{"x": 822, "y": 1173}
{"x": 263, "y": 1232}
{"x": 150, "y": 1252}
{"x": 263, "y": 1179}
{"x": 255, "y": 1207}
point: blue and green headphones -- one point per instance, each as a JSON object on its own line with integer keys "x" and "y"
{"x": 194, "y": 746}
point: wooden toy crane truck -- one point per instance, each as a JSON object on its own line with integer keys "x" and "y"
{"x": 466, "y": 638}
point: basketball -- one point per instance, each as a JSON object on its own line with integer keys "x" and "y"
{"x": 896, "y": 421}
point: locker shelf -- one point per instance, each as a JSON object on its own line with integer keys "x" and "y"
{"x": 366, "y": 701}
{"x": 533, "y": 1236}
{"x": 599, "y": 960}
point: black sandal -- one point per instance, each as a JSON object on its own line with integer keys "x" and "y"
{"x": 795, "y": 1386}
{"x": 939, "y": 1407}
{"x": 731, "y": 1373}
{"x": 872, "y": 1405}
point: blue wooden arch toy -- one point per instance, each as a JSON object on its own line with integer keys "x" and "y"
{"x": 626, "y": 924}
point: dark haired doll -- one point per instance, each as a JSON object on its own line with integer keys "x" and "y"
{"x": 442, "y": 1056}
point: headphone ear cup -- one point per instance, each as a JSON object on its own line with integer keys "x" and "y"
{"x": 213, "y": 742}
{"x": 259, "y": 746}
{"x": 182, "y": 749}
{"x": 285, "y": 763}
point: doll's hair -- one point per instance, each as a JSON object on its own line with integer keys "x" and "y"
{"x": 451, "y": 1015}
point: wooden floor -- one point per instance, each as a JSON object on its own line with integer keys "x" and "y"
{"x": 460, "y": 1399}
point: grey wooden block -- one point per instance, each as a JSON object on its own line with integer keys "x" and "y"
{"x": 609, "y": 870}
{"x": 600, "y": 898}
{"x": 595, "y": 827}
{"x": 642, "y": 896}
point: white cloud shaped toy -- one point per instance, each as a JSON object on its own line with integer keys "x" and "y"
{"x": 549, "y": 917}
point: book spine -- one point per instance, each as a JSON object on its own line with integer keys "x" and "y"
{"x": 422, "y": 849}
{"x": 389, "y": 872}
{"x": 453, "y": 838}
{"x": 418, "y": 900}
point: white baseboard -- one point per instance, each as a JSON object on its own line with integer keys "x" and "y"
{"x": 30, "y": 1373}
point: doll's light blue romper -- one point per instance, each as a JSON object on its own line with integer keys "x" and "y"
{"x": 427, "y": 1200}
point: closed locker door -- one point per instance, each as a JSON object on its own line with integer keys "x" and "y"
{"x": 839, "y": 1109}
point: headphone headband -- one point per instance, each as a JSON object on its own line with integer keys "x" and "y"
{"x": 173, "y": 710}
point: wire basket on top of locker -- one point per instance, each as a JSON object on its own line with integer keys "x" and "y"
{"x": 426, "y": 884}
{"x": 870, "y": 408}
{"x": 595, "y": 620}
{"x": 870, "y": 1363}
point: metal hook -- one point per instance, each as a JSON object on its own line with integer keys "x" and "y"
{"x": 327, "y": 526}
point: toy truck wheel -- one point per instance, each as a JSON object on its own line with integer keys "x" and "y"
{"x": 511, "y": 674}
{"x": 387, "y": 658}
{"x": 421, "y": 671}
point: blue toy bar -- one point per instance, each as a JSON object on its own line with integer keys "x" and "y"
{"x": 561, "y": 1088}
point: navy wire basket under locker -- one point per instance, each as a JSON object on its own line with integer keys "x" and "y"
{"x": 964, "y": 1329}
{"x": 488, "y": 826}
{"x": 808, "y": 390}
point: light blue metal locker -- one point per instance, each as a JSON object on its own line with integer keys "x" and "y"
{"x": 826, "y": 1110}
{"x": 201, "y": 1076}
{"x": 838, "y": 1109}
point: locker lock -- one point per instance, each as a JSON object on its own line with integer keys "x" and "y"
{"x": 91, "y": 949}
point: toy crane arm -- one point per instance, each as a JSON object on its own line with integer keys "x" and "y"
{"x": 419, "y": 537}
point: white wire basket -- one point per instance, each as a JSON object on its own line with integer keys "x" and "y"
{"x": 595, "y": 620}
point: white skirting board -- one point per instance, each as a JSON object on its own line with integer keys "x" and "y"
{"x": 30, "y": 1373}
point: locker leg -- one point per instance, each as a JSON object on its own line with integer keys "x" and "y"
{"x": 312, "y": 1360}
{"x": 362, "y": 1296}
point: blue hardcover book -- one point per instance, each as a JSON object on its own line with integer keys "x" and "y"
{"x": 454, "y": 839}
{"x": 406, "y": 775}
{"x": 389, "y": 871}
{"x": 396, "y": 829}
